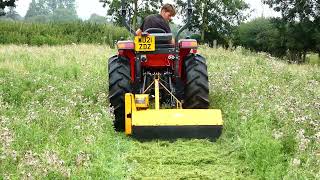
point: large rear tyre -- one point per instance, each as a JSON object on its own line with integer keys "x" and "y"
{"x": 196, "y": 89}
{"x": 119, "y": 84}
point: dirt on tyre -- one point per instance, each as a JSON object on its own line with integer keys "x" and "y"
{"x": 196, "y": 88}
{"x": 119, "y": 84}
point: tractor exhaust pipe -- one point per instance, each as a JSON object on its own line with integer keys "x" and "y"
{"x": 189, "y": 13}
{"x": 124, "y": 14}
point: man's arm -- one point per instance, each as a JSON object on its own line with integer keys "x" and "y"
{"x": 139, "y": 32}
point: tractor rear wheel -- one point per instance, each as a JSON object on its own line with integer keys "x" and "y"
{"x": 196, "y": 89}
{"x": 119, "y": 84}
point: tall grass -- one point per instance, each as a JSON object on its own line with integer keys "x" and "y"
{"x": 55, "y": 121}
{"x": 59, "y": 33}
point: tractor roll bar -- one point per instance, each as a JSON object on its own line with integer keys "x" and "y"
{"x": 126, "y": 24}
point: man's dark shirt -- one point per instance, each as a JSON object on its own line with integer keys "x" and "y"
{"x": 155, "y": 21}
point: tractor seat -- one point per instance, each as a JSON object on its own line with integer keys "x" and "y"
{"x": 163, "y": 40}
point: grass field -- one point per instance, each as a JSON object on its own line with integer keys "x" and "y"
{"x": 313, "y": 59}
{"x": 55, "y": 121}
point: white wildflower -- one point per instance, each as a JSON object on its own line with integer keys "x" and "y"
{"x": 302, "y": 119}
{"x": 32, "y": 115}
{"x": 89, "y": 139}
{"x": 317, "y": 136}
{"x": 296, "y": 162}
{"x": 53, "y": 159}
{"x": 277, "y": 134}
{"x": 31, "y": 159}
{"x": 303, "y": 141}
{"x": 50, "y": 88}
{"x": 82, "y": 159}
{"x": 6, "y": 137}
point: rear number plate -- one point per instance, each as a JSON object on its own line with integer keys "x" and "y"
{"x": 144, "y": 43}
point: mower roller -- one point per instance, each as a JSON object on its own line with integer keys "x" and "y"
{"x": 159, "y": 88}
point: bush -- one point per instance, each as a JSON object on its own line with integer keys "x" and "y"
{"x": 261, "y": 35}
{"x": 59, "y": 33}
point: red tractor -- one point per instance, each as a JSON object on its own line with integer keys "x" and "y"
{"x": 177, "y": 66}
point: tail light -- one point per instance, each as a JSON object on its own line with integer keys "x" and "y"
{"x": 125, "y": 45}
{"x": 188, "y": 43}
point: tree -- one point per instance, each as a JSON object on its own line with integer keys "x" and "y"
{"x": 61, "y": 4}
{"x": 5, "y": 3}
{"x": 63, "y": 15}
{"x": 302, "y": 19}
{"x": 37, "y": 8}
{"x": 293, "y": 10}
{"x": 215, "y": 19}
{"x": 261, "y": 35}
{"x": 52, "y": 10}
{"x": 12, "y": 14}
{"x": 95, "y": 18}
{"x": 135, "y": 10}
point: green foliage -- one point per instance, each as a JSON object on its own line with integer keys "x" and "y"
{"x": 292, "y": 40}
{"x": 299, "y": 9}
{"x": 261, "y": 35}
{"x": 301, "y": 19}
{"x": 95, "y": 18}
{"x": 53, "y": 10}
{"x": 135, "y": 10}
{"x": 36, "y": 8}
{"x": 5, "y": 3}
{"x": 215, "y": 20}
{"x": 59, "y": 33}
{"x": 63, "y": 15}
{"x": 313, "y": 59}
{"x": 12, "y": 14}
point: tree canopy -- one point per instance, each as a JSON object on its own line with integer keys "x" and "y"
{"x": 302, "y": 23}
{"x": 261, "y": 34}
{"x": 52, "y": 10}
{"x": 136, "y": 10}
{"x": 215, "y": 20}
{"x": 6, "y": 3}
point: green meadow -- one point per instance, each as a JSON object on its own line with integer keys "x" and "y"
{"x": 56, "y": 122}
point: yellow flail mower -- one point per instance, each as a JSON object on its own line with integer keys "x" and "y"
{"x": 159, "y": 88}
{"x": 143, "y": 122}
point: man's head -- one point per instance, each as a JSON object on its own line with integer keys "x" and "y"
{"x": 168, "y": 11}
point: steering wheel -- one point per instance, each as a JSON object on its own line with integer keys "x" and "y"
{"x": 155, "y": 30}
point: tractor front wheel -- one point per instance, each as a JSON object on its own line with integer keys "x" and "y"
{"x": 196, "y": 89}
{"x": 119, "y": 84}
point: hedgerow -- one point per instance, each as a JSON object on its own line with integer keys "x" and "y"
{"x": 59, "y": 33}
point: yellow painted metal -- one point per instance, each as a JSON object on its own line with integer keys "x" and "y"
{"x": 129, "y": 108}
{"x": 156, "y": 94}
{"x": 179, "y": 104}
{"x": 177, "y": 117}
{"x": 145, "y": 43}
{"x": 137, "y": 116}
{"x": 142, "y": 100}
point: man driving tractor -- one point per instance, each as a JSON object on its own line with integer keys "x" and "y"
{"x": 160, "y": 21}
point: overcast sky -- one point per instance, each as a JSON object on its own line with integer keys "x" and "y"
{"x": 86, "y": 7}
